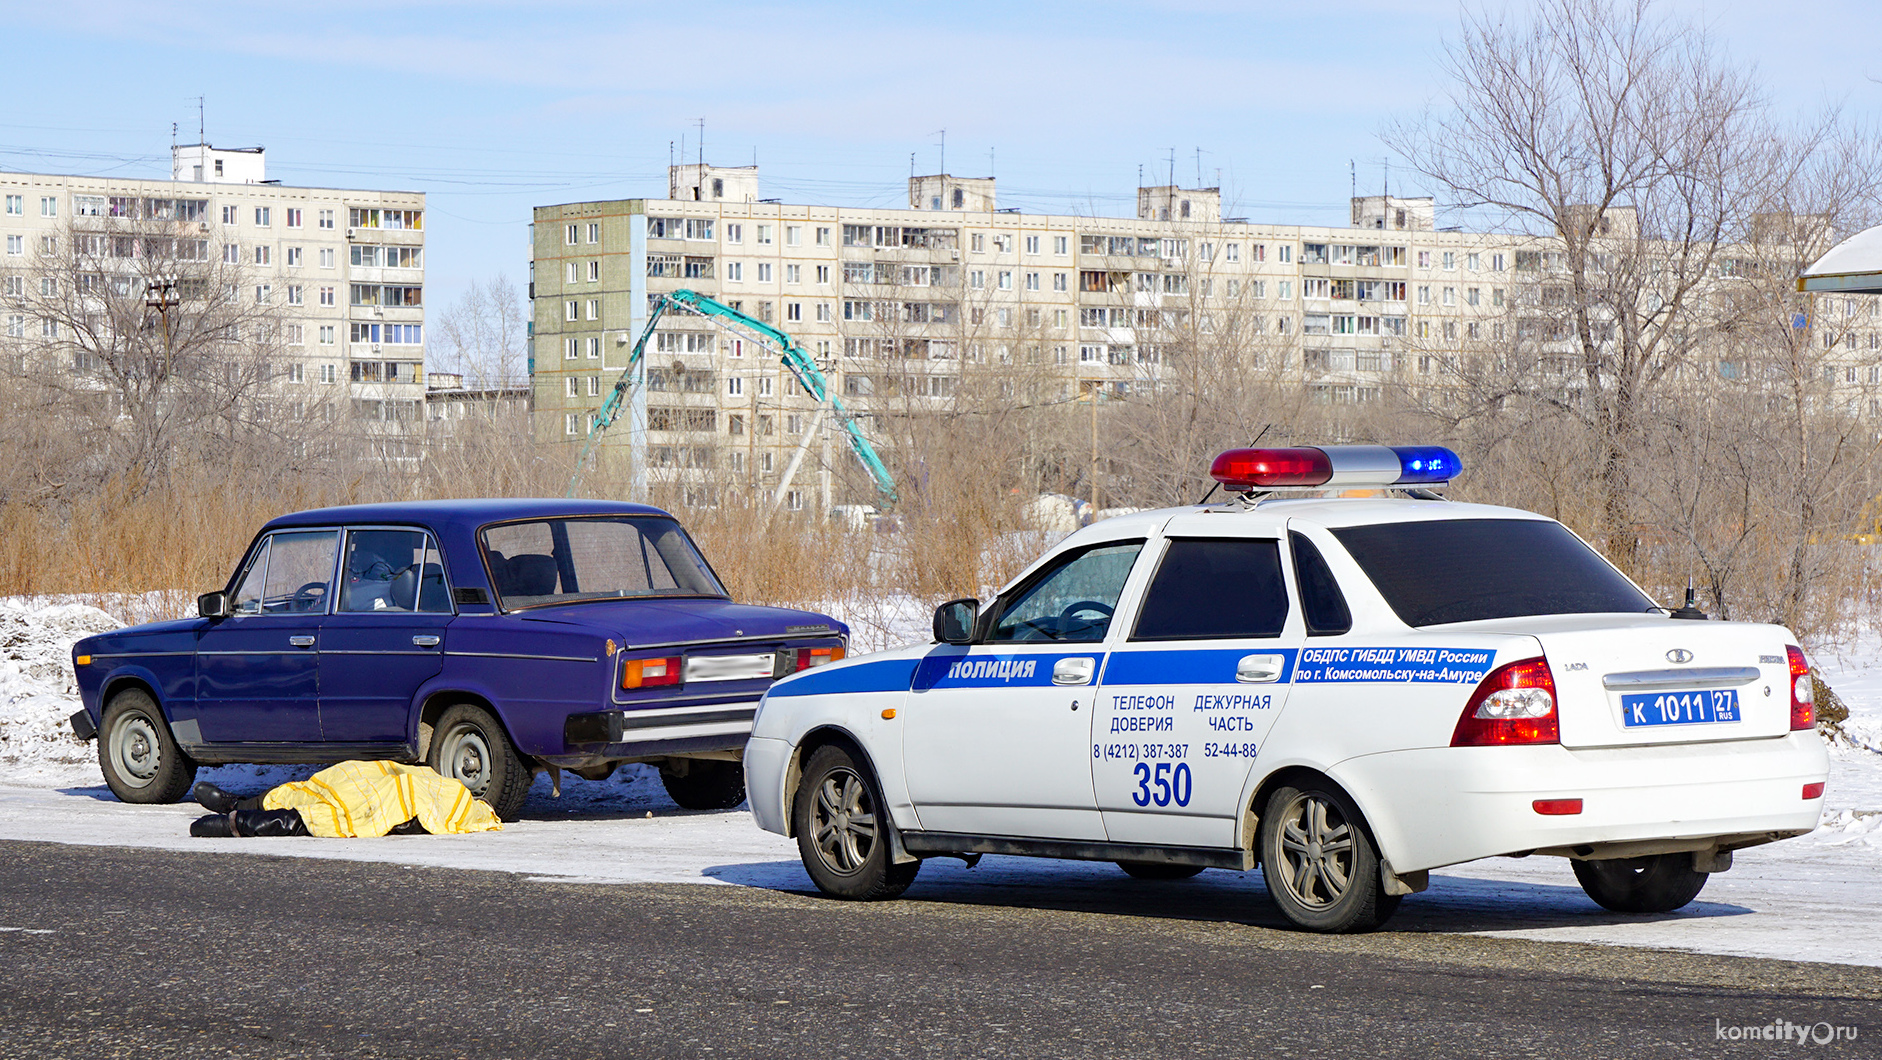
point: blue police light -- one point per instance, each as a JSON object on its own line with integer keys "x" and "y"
{"x": 1422, "y": 465}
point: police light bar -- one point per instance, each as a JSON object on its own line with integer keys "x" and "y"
{"x": 1335, "y": 465}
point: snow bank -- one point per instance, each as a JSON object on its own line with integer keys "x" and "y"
{"x": 37, "y": 690}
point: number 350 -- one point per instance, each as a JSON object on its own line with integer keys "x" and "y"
{"x": 1171, "y": 785}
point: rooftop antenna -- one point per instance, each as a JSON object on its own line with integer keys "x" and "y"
{"x": 911, "y": 165}
{"x": 202, "y": 121}
{"x": 669, "y": 154}
{"x": 702, "y": 144}
{"x": 1352, "y": 169}
{"x": 1199, "y": 167}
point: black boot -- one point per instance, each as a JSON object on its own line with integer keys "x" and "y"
{"x": 212, "y": 798}
{"x": 214, "y": 826}
{"x": 268, "y": 823}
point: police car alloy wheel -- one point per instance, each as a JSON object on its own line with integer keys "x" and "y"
{"x": 841, "y": 834}
{"x": 1319, "y": 864}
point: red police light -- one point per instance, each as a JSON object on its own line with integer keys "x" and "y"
{"x": 1247, "y": 469}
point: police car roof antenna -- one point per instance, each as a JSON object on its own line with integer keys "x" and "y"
{"x": 1251, "y": 445}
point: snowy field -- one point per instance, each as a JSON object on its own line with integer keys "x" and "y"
{"x": 1816, "y": 898}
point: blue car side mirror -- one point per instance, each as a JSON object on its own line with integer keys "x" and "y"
{"x": 213, "y": 605}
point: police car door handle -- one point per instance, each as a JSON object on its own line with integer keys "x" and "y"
{"x": 1075, "y": 671}
{"x": 1259, "y": 669}
{"x": 425, "y": 640}
{"x": 301, "y": 642}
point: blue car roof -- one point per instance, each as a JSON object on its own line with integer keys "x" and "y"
{"x": 459, "y": 514}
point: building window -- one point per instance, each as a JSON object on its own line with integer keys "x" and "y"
{"x": 734, "y": 272}
{"x": 571, "y": 234}
{"x": 734, "y": 386}
{"x": 328, "y": 374}
{"x": 48, "y": 206}
{"x": 734, "y": 233}
{"x": 574, "y": 386}
{"x": 326, "y": 257}
{"x": 231, "y": 215}
{"x": 263, "y": 216}
{"x": 594, "y": 309}
{"x": 594, "y": 348}
{"x": 294, "y": 257}
{"x": 764, "y": 270}
{"x": 16, "y": 205}
{"x": 823, "y": 236}
{"x": 1006, "y": 280}
{"x": 1450, "y": 259}
{"x": 1032, "y": 244}
{"x": 823, "y": 274}
{"x": 594, "y": 233}
{"x": 571, "y": 349}
{"x": 571, "y": 310}
{"x": 793, "y": 311}
{"x": 823, "y": 312}
{"x": 764, "y": 235}
{"x": 571, "y": 423}
{"x": 264, "y": 255}
{"x": 326, "y": 219}
{"x": 594, "y": 272}
{"x": 264, "y": 293}
{"x": 326, "y": 296}
{"x": 16, "y": 245}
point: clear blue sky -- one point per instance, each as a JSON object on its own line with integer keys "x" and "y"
{"x": 494, "y": 108}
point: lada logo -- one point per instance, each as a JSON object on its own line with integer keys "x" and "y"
{"x": 1679, "y": 655}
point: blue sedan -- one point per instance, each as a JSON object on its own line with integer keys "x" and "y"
{"x": 490, "y": 639}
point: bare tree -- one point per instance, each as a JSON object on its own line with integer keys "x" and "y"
{"x": 484, "y": 334}
{"x": 1653, "y": 323}
{"x": 133, "y": 335}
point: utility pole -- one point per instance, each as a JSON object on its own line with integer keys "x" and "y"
{"x": 1096, "y": 489}
{"x": 161, "y": 295}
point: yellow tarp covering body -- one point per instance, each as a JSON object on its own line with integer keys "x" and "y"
{"x": 368, "y": 799}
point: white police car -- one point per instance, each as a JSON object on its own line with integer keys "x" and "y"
{"x": 1349, "y": 692}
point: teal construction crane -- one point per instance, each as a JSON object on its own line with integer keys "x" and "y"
{"x": 794, "y": 357}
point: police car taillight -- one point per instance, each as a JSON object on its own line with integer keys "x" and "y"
{"x": 1803, "y": 694}
{"x": 1335, "y": 465}
{"x": 1514, "y": 705}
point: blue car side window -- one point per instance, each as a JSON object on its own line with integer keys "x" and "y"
{"x": 392, "y": 570}
{"x": 300, "y": 572}
{"x": 248, "y": 593}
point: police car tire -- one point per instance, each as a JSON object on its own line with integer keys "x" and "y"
{"x": 1363, "y": 905}
{"x": 139, "y": 758}
{"x": 835, "y": 782}
{"x": 1656, "y": 883}
{"x": 1158, "y": 870}
{"x": 708, "y": 784}
{"x": 509, "y": 776}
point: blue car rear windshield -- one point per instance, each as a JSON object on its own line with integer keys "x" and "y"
{"x": 1466, "y": 570}
{"x": 556, "y": 561}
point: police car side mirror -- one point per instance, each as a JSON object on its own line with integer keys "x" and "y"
{"x": 954, "y": 621}
{"x": 213, "y": 605}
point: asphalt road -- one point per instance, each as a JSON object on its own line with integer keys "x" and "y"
{"x": 107, "y": 952}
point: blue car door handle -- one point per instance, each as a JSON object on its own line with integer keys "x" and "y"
{"x": 302, "y": 641}
{"x": 425, "y": 640}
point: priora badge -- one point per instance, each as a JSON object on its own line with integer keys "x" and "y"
{"x": 1679, "y": 655}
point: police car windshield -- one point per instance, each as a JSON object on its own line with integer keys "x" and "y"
{"x": 1467, "y": 570}
{"x": 559, "y": 561}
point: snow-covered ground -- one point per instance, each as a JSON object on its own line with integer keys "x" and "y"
{"x": 1816, "y": 898}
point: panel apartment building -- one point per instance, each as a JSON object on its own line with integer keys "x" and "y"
{"x": 344, "y": 267}
{"x": 903, "y": 307}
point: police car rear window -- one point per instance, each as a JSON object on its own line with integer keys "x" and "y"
{"x": 1215, "y": 589}
{"x": 1467, "y": 570}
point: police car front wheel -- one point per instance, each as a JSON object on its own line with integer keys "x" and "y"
{"x": 1319, "y": 863}
{"x": 842, "y": 830}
